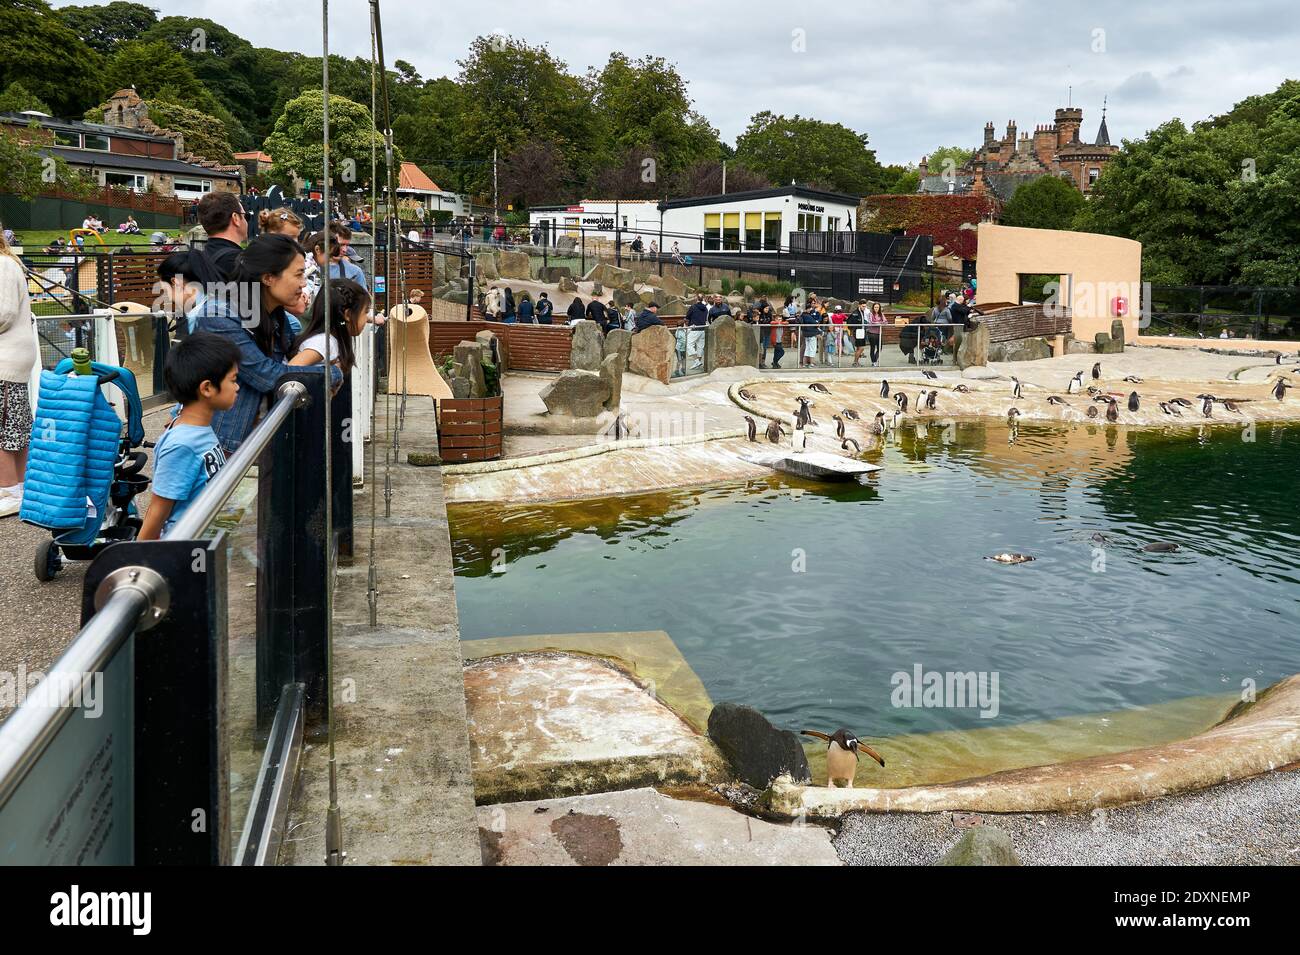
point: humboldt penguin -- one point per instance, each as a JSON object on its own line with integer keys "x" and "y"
{"x": 775, "y": 432}
{"x": 842, "y": 755}
{"x": 1134, "y": 379}
{"x": 961, "y": 388}
{"x": 1112, "y": 411}
{"x": 1096, "y": 372}
{"x": 839, "y": 426}
{"x": 1075, "y": 385}
{"x": 1092, "y": 411}
{"x": 844, "y": 445}
{"x": 929, "y": 401}
{"x": 818, "y": 387}
{"x": 1207, "y": 407}
{"x": 1279, "y": 390}
{"x": 1015, "y": 391}
{"x": 931, "y": 375}
{"x": 1054, "y": 400}
{"x": 1133, "y": 401}
{"x": 752, "y": 425}
{"x": 850, "y": 414}
{"x": 1161, "y": 547}
{"x": 901, "y": 400}
{"x": 747, "y": 395}
{"x": 884, "y": 388}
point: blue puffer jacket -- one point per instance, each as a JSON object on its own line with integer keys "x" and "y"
{"x": 75, "y": 439}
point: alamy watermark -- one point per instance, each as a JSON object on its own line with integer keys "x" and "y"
{"x": 85, "y": 691}
{"x": 951, "y": 689}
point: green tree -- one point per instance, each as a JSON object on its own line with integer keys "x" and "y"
{"x": 1048, "y": 202}
{"x": 297, "y": 143}
{"x": 26, "y": 171}
{"x": 428, "y": 134}
{"x": 40, "y": 50}
{"x": 16, "y": 99}
{"x": 805, "y": 150}
{"x": 905, "y": 180}
{"x": 104, "y": 27}
{"x": 205, "y": 135}
{"x": 938, "y": 160}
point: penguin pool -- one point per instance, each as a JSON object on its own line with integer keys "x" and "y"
{"x": 871, "y": 605}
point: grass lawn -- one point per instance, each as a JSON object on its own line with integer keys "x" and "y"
{"x": 34, "y": 240}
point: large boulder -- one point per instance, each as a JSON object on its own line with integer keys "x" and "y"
{"x": 513, "y": 265}
{"x": 673, "y": 285}
{"x": 1019, "y": 349}
{"x": 1117, "y": 331}
{"x": 720, "y": 344}
{"x": 469, "y": 360}
{"x": 494, "y": 349}
{"x": 983, "y": 845}
{"x": 973, "y": 349}
{"x": 1077, "y": 346}
{"x": 715, "y": 286}
{"x": 553, "y": 273}
{"x": 565, "y": 244}
{"x": 567, "y": 284}
{"x": 747, "y": 350}
{"x": 653, "y": 350}
{"x": 458, "y": 295}
{"x": 625, "y": 297}
{"x": 619, "y": 342}
{"x": 485, "y": 266}
{"x": 610, "y": 275}
{"x": 1107, "y": 345}
{"x": 440, "y": 275}
{"x": 581, "y": 394}
{"x": 588, "y": 347}
{"x": 757, "y": 751}
{"x": 611, "y": 372}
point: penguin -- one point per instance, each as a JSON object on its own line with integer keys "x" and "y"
{"x": 1094, "y": 391}
{"x": 842, "y": 755}
{"x": 884, "y": 388}
{"x": 1231, "y": 406}
{"x": 1181, "y": 402}
{"x": 1279, "y": 390}
{"x": 1207, "y": 408}
{"x": 1134, "y": 379}
{"x": 1096, "y": 372}
{"x": 1133, "y": 401}
{"x": 1278, "y": 356}
{"x": 747, "y": 395}
{"x": 1161, "y": 547}
{"x": 1112, "y": 411}
{"x": 752, "y": 426}
{"x": 931, "y": 375}
{"x": 1170, "y": 410}
{"x": 818, "y": 387}
{"x": 879, "y": 426}
{"x": 802, "y": 415}
{"x": 850, "y": 414}
{"x": 1092, "y": 411}
{"x": 961, "y": 388}
{"x": 901, "y": 400}
{"x": 839, "y": 426}
{"x": 893, "y": 421}
{"x": 1205, "y": 396}
{"x": 844, "y": 445}
{"x": 1013, "y": 414}
{"x": 1075, "y": 385}
{"x": 1015, "y": 391}
{"x": 1010, "y": 558}
{"x": 774, "y": 432}
{"x": 621, "y": 427}
{"x": 929, "y": 402}
{"x": 1054, "y": 400}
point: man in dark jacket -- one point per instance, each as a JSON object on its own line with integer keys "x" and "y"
{"x": 544, "y": 309}
{"x": 720, "y": 308}
{"x": 649, "y": 316}
{"x": 576, "y": 312}
{"x": 223, "y": 219}
{"x": 596, "y": 311}
{"x": 698, "y": 313}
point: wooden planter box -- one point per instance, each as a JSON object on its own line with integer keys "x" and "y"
{"x": 469, "y": 429}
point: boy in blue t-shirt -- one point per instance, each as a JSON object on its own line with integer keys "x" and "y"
{"x": 200, "y": 374}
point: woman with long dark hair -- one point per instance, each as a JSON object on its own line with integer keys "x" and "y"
{"x": 250, "y": 311}
{"x": 349, "y": 302}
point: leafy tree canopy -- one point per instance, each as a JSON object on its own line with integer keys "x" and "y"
{"x": 43, "y": 53}
{"x": 805, "y": 150}
{"x": 1048, "y": 202}
{"x": 104, "y": 27}
{"x": 16, "y": 99}
{"x": 296, "y": 144}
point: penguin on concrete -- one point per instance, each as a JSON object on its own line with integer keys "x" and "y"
{"x": 929, "y": 401}
{"x": 961, "y": 388}
{"x": 1279, "y": 390}
{"x": 1015, "y": 391}
{"x": 1112, "y": 411}
{"x": 1181, "y": 402}
{"x": 839, "y": 426}
{"x": 844, "y": 445}
{"x": 900, "y": 399}
{"x": 1054, "y": 400}
{"x": 1170, "y": 410}
{"x": 1207, "y": 407}
{"x": 1133, "y": 378}
{"x": 931, "y": 375}
{"x": 884, "y": 388}
{"x": 1075, "y": 385}
{"x": 1013, "y": 414}
{"x": 752, "y": 425}
{"x": 879, "y": 426}
{"x": 818, "y": 387}
{"x": 775, "y": 432}
{"x": 1096, "y": 372}
{"x": 1133, "y": 401}
{"x": 850, "y": 414}
{"x": 747, "y": 395}
{"x": 842, "y": 752}
{"x": 1092, "y": 411}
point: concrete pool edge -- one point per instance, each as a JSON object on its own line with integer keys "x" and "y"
{"x": 1254, "y": 739}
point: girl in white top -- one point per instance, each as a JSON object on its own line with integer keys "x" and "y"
{"x": 17, "y": 360}
{"x": 349, "y": 303}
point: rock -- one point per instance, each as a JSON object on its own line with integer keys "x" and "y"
{"x": 611, "y": 372}
{"x": 1019, "y": 349}
{"x": 624, "y": 298}
{"x": 597, "y": 289}
{"x": 493, "y": 348}
{"x": 565, "y": 244}
{"x": 423, "y": 459}
{"x": 439, "y": 269}
{"x": 469, "y": 357}
{"x": 645, "y": 296}
{"x": 720, "y": 344}
{"x": 610, "y": 275}
{"x": 749, "y": 291}
{"x": 485, "y": 266}
{"x": 715, "y": 286}
{"x": 652, "y": 280}
{"x": 983, "y": 845}
{"x": 673, "y": 286}
{"x": 513, "y": 265}
{"x": 736, "y": 302}
{"x": 1076, "y": 346}
{"x": 581, "y": 394}
{"x": 567, "y": 284}
{"x": 619, "y": 342}
{"x": 460, "y": 388}
{"x": 1117, "y": 331}
{"x": 652, "y": 353}
{"x": 458, "y": 295}
{"x": 588, "y": 347}
{"x": 553, "y": 273}
{"x": 974, "y": 347}
{"x": 1107, "y": 345}
{"x": 747, "y": 350}
{"x": 757, "y": 751}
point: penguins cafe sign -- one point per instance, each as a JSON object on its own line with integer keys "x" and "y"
{"x": 946, "y": 690}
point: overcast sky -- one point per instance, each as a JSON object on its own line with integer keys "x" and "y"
{"x": 911, "y": 75}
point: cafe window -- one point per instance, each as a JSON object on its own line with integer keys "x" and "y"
{"x": 772, "y": 231}
{"x": 832, "y": 224}
{"x": 92, "y": 141}
{"x": 67, "y": 139}
{"x": 753, "y": 231}
{"x": 126, "y": 180}
{"x": 809, "y": 222}
{"x": 731, "y": 231}
{"x": 712, "y": 231}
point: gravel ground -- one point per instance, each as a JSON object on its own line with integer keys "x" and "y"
{"x": 1251, "y": 822}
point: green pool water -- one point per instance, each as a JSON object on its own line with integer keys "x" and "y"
{"x": 811, "y": 602}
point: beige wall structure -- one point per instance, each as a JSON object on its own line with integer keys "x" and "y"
{"x": 1095, "y": 270}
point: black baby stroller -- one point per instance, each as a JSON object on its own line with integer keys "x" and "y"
{"x": 931, "y": 347}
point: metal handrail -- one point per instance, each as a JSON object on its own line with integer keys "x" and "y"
{"x": 197, "y": 517}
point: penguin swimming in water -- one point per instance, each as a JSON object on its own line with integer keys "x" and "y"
{"x": 1015, "y": 392}
{"x": 1075, "y": 385}
{"x": 1092, "y": 411}
{"x": 1133, "y": 401}
{"x": 1161, "y": 547}
{"x": 850, "y": 414}
{"x": 931, "y": 375}
{"x": 844, "y": 445}
{"x": 1279, "y": 390}
{"x": 884, "y": 388}
{"x": 842, "y": 755}
{"x": 901, "y": 400}
{"x": 839, "y": 426}
{"x": 1112, "y": 411}
{"x": 775, "y": 432}
{"x": 1207, "y": 407}
{"x": 818, "y": 387}
{"x": 1054, "y": 400}
{"x": 752, "y": 425}
{"x": 1010, "y": 558}
{"x": 929, "y": 401}
{"x": 1096, "y": 372}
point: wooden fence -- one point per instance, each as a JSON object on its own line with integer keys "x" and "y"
{"x": 469, "y": 429}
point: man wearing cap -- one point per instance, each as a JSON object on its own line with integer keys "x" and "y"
{"x": 649, "y": 316}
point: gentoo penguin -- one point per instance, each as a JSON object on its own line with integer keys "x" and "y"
{"x": 1182, "y": 402}
{"x": 962, "y": 388}
{"x": 1075, "y": 385}
{"x": 842, "y": 755}
{"x": 1096, "y": 372}
{"x": 839, "y": 426}
{"x": 1133, "y": 378}
{"x": 893, "y": 421}
{"x": 1094, "y": 391}
{"x": 900, "y": 399}
{"x": 1013, "y": 414}
{"x": 1133, "y": 401}
{"x": 1278, "y": 356}
{"x": 929, "y": 401}
{"x": 850, "y": 414}
{"x": 1092, "y": 411}
{"x": 844, "y": 445}
{"x": 747, "y": 395}
{"x": 1054, "y": 400}
{"x": 879, "y": 426}
{"x": 752, "y": 425}
{"x": 802, "y": 414}
{"x": 818, "y": 387}
{"x": 1015, "y": 391}
{"x": 1279, "y": 390}
{"x": 1231, "y": 406}
{"x": 1170, "y": 409}
{"x": 774, "y": 432}
{"x": 931, "y": 375}
{"x": 1112, "y": 411}
{"x": 1207, "y": 407}
{"x": 884, "y": 388}
{"x": 1161, "y": 547}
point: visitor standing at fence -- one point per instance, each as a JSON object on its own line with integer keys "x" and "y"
{"x": 223, "y": 219}
{"x": 576, "y": 312}
{"x": 284, "y": 221}
{"x": 526, "y": 309}
{"x": 697, "y": 317}
{"x": 508, "y": 304}
{"x": 838, "y": 335}
{"x": 875, "y": 331}
{"x": 17, "y": 362}
{"x": 779, "y": 324}
{"x": 810, "y": 331}
{"x": 349, "y": 303}
{"x": 544, "y": 309}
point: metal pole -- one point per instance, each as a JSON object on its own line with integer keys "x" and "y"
{"x": 372, "y": 574}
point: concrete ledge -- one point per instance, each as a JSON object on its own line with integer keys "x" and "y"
{"x": 1255, "y": 738}
{"x": 574, "y": 454}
